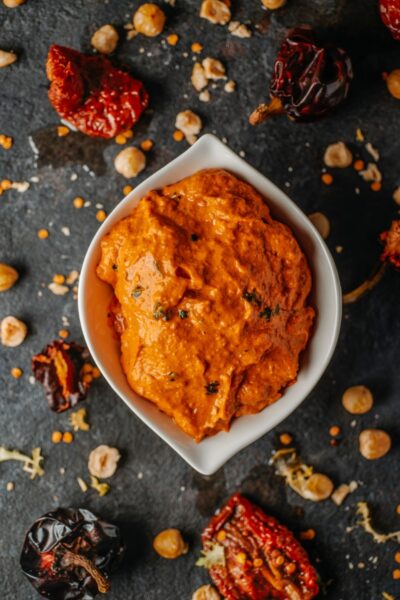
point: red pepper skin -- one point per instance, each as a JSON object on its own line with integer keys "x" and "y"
{"x": 310, "y": 80}
{"x": 93, "y": 95}
{"x": 391, "y": 239}
{"x": 260, "y": 543}
{"x": 390, "y": 15}
{"x": 59, "y": 368}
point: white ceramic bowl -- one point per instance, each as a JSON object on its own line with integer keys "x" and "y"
{"x": 94, "y": 295}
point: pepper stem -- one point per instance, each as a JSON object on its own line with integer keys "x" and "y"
{"x": 366, "y": 286}
{"x": 78, "y": 560}
{"x": 265, "y": 111}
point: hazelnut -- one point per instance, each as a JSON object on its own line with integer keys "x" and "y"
{"x": 103, "y": 461}
{"x": 7, "y": 58}
{"x": 189, "y": 123}
{"x": 149, "y": 20}
{"x": 318, "y": 487}
{"x": 13, "y": 3}
{"x": 273, "y": 4}
{"x": 338, "y": 155}
{"x": 374, "y": 443}
{"x": 105, "y": 39}
{"x": 199, "y": 79}
{"x": 206, "y": 592}
{"x": 8, "y": 277}
{"x": 213, "y": 68}
{"x": 321, "y": 223}
{"x": 357, "y": 400}
{"x": 215, "y": 11}
{"x": 170, "y": 544}
{"x": 130, "y": 162}
{"x": 12, "y": 331}
{"x": 393, "y": 83}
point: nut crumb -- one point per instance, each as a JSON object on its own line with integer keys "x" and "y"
{"x": 215, "y": 11}
{"x": 58, "y": 289}
{"x": 371, "y": 173}
{"x": 105, "y": 39}
{"x": 82, "y": 484}
{"x": 189, "y": 124}
{"x": 213, "y": 69}
{"x": 239, "y": 29}
{"x": 340, "y": 493}
{"x": 199, "y": 79}
{"x": 7, "y": 58}
{"x": 205, "y": 96}
{"x": 230, "y": 86}
{"x": 338, "y": 155}
{"x": 10, "y": 487}
{"x": 13, "y": 331}
{"x": 103, "y": 461}
{"x": 372, "y": 151}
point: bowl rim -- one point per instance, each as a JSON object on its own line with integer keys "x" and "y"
{"x": 197, "y": 459}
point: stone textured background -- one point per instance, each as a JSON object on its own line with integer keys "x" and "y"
{"x": 153, "y": 488}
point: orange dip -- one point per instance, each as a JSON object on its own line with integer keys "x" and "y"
{"x": 211, "y": 300}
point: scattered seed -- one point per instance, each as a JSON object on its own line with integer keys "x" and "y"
{"x": 309, "y": 534}
{"x": 56, "y": 437}
{"x": 16, "y": 372}
{"x": 285, "y": 439}
{"x": 178, "y": 136}
{"x": 62, "y": 131}
{"x": 68, "y": 437}
{"x": 146, "y": 145}
{"x": 63, "y": 333}
{"x": 43, "y": 234}
{"x": 127, "y": 189}
{"x": 327, "y": 178}
{"x": 196, "y": 47}
{"x": 359, "y": 165}
{"x": 173, "y": 39}
{"x": 58, "y": 278}
{"x": 78, "y": 202}
{"x": 10, "y": 487}
{"x": 334, "y": 430}
{"x": 101, "y": 215}
{"x": 82, "y": 484}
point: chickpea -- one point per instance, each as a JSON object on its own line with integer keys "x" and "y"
{"x": 206, "y": 592}
{"x": 170, "y": 544}
{"x": 130, "y": 162}
{"x": 12, "y": 331}
{"x": 8, "y": 277}
{"x": 374, "y": 443}
{"x": 13, "y": 3}
{"x": 273, "y": 4}
{"x": 357, "y": 400}
{"x": 103, "y": 461}
{"x": 149, "y": 20}
{"x": 393, "y": 83}
{"x": 105, "y": 39}
{"x": 321, "y": 223}
{"x": 338, "y": 155}
{"x": 318, "y": 487}
{"x": 215, "y": 11}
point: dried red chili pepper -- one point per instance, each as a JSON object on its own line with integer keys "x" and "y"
{"x": 60, "y": 368}
{"x": 391, "y": 238}
{"x": 93, "y": 95}
{"x": 258, "y": 558}
{"x": 308, "y": 81}
{"x": 68, "y": 554}
{"x": 390, "y": 15}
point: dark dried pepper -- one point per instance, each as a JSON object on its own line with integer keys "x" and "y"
{"x": 308, "y": 80}
{"x": 390, "y": 15}
{"x": 60, "y": 367}
{"x": 68, "y": 554}
{"x": 250, "y": 556}
{"x": 93, "y": 95}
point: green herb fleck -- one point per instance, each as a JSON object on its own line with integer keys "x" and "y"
{"x": 137, "y": 291}
{"x": 183, "y": 314}
{"x": 212, "y": 387}
{"x": 268, "y": 312}
{"x": 160, "y": 312}
{"x": 252, "y": 297}
{"x": 194, "y": 237}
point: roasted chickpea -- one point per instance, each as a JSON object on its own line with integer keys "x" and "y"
{"x": 149, "y": 20}
{"x": 8, "y": 277}
{"x": 273, "y": 4}
{"x": 338, "y": 155}
{"x": 170, "y": 544}
{"x": 357, "y": 400}
{"x": 105, "y": 39}
{"x": 374, "y": 443}
{"x": 130, "y": 162}
{"x": 215, "y": 11}
{"x": 13, "y": 331}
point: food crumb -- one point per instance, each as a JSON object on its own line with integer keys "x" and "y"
{"x": 10, "y": 487}
{"x": 16, "y": 372}
{"x": 327, "y": 178}
{"x": 78, "y": 202}
{"x": 57, "y": 289}
{"x": 82, "y": 484}
{"x": 285, "y": 439}
{"x": 230, "y": 86}
{"x": 43, "y": 234}
{"x": 140, "y": 475}
{"x": 146, "y": 145}
{"x": 339, "y": 249}
{"x": 196, "y": 47}
{"x": 63, "y": 333}
{"x": 127, "y": 189}
{"x": 68, "y": 437}
{"x": 309, "y": 534}
{"x": 239, "y": 29}
{"x": 359, "y": 135}
{"x": 173, "y": 39}
{"x": 56, "y": 437}
{"x": 396, "y": 195}
{"x": 205, "y": 96}
{"x": 62, "y": 131}
{"x": 6, "y": 141}
{"x": 101, "y": 215}
{"x": 334, "y": 430}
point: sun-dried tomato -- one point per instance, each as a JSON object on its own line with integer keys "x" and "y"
{"x": 308, "y": 80}
{"x": 69, "y": 554}
{"x": 60, "y": 368}
{"x": 390, "y": 15}
{"x": 391, "y": 238}
{"x": 259, "y": 559}
{"x": 93, "y": 95}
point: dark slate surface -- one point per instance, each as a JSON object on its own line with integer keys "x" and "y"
{"x": 154, "y": 488}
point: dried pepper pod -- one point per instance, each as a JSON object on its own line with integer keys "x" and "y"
{"x": 389, "y": 256}
{"x": 60, "y": 367}
{"x": 90, "y": 93}
{"x": 308, "y": 81}
{"x": 251, "y": 556}
{"x": 390, "y": 15}
{"x": 68, "y": 554}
